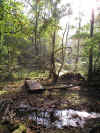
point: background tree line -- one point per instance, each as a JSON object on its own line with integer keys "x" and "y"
{"x": 31, "y": 41}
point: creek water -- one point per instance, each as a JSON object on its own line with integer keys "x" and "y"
{"x": 58, "y": 118}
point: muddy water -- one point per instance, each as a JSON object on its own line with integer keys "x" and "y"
{"x": 57, "y": 118}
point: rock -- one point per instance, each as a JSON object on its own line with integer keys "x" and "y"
{"x": 33, "y": 85}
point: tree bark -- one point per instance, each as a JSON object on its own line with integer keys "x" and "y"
{"x": 90, "y": 69}
{"x": 78, "y": 44}
{"x": 77, "y": 57}
{"x": 63, "y": 53}
{"x": 52, "y": 75}
{"x": 36, "y": 29}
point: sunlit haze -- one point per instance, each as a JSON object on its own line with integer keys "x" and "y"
{"x": 83, "y": 6}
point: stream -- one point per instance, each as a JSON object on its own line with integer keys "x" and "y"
{"x": 56, "y": 111}
{"x": 56, "y": 118}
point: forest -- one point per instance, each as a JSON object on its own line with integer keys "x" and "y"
{"x": 49, "y": 66}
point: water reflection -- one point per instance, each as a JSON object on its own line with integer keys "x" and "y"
{"x": 60, "y": 118}
{"x": 73, "y": 118}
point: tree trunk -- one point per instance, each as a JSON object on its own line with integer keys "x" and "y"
{"x": 52, "y": 75}
{"x": 90, "y": 69}
{"x": 78, "y": 44}
{"x": 36, "y": 28}
{"x": 63, "y": 53}
{"x": 77, "y": 57}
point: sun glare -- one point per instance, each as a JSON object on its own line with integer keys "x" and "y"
{"x": 83, "y": 6}
{"x": 87, "y": 5}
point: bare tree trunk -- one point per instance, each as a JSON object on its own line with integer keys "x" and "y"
{"x": 1, "y": 18}
{"x": 35, "y": 43}
{"x": 9, "y": 60}
{"x": 10, "y": 77}
{"x": 36, "y": 29}
{"x": 63, "y": 53}
{"x": 77, "y": 57}
{"x": 52, "y": 75}
{"x": 96, "y": 60}
{"x": 90, "y": 69}
{"x": 78, "y": 44}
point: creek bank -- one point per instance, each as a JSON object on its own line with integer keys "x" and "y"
{"x": 23, "y": 107}
{"x": 56, "y": 118}
{"x": 37, "y": 119}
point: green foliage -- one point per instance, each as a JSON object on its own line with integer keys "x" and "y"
{"x": 82, "y": 35}
{"x": 21, "y": 33}
{"x": 38, "y": 74}
{"x": 3, "y": 92}
{"x": 94, "y": 42}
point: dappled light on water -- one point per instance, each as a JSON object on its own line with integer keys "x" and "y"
{"x": 60, "y": 118}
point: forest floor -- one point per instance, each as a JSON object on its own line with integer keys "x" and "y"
{"x": 65, "y": 94}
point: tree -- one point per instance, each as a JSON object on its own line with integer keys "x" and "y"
{"x": 90, "y": 69}
{"x": 78, "y": 43}
{"x": 57, "y": 15}
{"x": 11, "y": 27}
